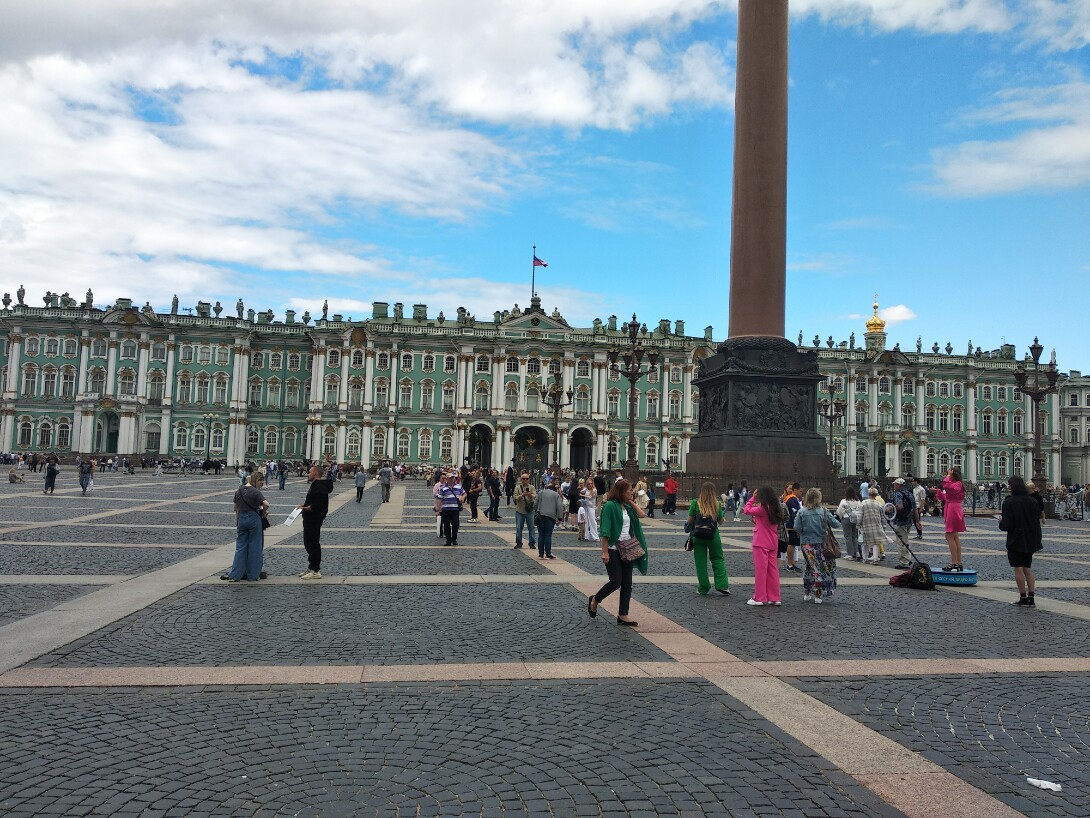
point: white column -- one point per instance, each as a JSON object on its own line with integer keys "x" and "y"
{"x": 684, "y": 452}
{"x": 168, "y": 385}
{"x": 460, "y": 385}
{"x": 111, "y": 366}
{"x": 369, "y": 378}
{"x": 497, "y": 382}
{"x": 317, "y": 385}
{"x": 522, "y": 386}
{"x": 872, "y": 399}
{"x": 365, "y": 450}
{"x": 686, "y": 395}
{"x": 342, "y": 435}
{"x": 971, "y": 453}
{"x": 81, "y": 375}
{"x": 970, "y": 409}
{"x": 921, "y": 398}
{"x": 126, "y": 434}
{"x": 563, "y": 454}
{"x": 87, "y": 431}
{"x": 11, "y": 389}
{"x": 395, "y": 387}
{"x": 508, "y": 447}
{"x": 569, "y": 381}
{"x": 342, "y": 395}
{"x": 897, "y": 397}
{"x": 164, "y": 431}
{"x": 142, "y": 369}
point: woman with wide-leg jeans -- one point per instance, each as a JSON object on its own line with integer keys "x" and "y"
{"x": 620, "y": 520}
{"x": 249, "y": 505}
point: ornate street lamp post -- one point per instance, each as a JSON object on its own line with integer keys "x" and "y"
{"x": 209, "y": 419}
{"x": 314, "y": 455}
{"x": 632, "y": 359}
{"x": 554, "y": 399}
{"x": 1037, "y": 391}
{"x": 832, "y": 409}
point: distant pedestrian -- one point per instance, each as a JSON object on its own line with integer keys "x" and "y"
{"x": 919, "y": 496}
{"x": 705, "y": 516}
{"x": 904, "y": 503}
{"x": 473, "y": 492}
{"x": 314, "y": 508}
{"x": 550, "y": 507}
{"x": 86, "y": 474}
{"x": 794, "y": 505}
{"x": 952, "y": 495}
{"x": 509, "y": 481}
{"x": 52, "y": 469}
{"x": 871, "y": 519}
{"x": 850, "y": 512}
{"x": 282, "y": 476}
{"x": 1021, "y": 519}
{"x": 250, "y": 507}
{"x": 620, "y": 522}
{"x": 361, "y": 483}
{"x": 385, "y": 475}
{"x": 819, "y": 580}
{"x": 492, "y": 488}
{"x": 767, "y": 513}
{"x": 525, "y": 496}
{"x": 588, "y": 510}
{"x": 450, "y": 495}
{"x": 669, "y": 505}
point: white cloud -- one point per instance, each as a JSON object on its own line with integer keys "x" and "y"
{"x": 1060, "y": 25}
{"x": 932, "y": 16}
{"x": 1053, "y": 155}
{"x": 896, "y": 314}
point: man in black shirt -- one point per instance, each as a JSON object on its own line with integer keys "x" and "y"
{"x": 314, "y": 508}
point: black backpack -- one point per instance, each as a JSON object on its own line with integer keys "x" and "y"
{"x": 704, "y": 526}
{"x": 921, "y": 578}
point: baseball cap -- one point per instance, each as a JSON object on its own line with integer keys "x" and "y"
{"x": 900, "y": 480}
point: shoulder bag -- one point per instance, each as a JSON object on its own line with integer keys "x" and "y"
{"x": 830, "y": 547}
{"x": 629, "y": 549}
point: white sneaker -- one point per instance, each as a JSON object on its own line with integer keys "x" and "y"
{"x": 304, "y": 573}
{"x": 312, "y": 575}
{"x": 807, "y": 597}
{"x": 817, "y": 600}
{"x": 755, "y": 602}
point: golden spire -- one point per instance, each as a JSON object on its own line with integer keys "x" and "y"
{"x": 876, "y": 324}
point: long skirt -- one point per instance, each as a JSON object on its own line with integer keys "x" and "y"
{"x": 592, "y": 523}
{"x": 820, "y": 575}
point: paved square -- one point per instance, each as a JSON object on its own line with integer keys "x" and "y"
{"x": 416, "y": 679}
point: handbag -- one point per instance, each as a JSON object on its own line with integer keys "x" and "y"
{"x": 830, "y": 547}
{"x": 629, "y": 549}
{"x": 688, "y": 543}
{"x": 265, "y": 521}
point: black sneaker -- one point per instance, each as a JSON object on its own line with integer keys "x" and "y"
{"x": 904, "y": 566}
{"x": 1024, "y": 602}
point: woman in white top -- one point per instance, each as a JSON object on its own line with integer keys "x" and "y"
{"x": 588, "y": 500}
{"x": 850, "y": 512}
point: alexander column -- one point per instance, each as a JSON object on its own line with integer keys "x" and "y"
{"x": 758, "y": 392}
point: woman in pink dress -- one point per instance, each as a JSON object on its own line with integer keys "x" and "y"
{"x": 952, "y": 495}
{"x": 764, "y": 508}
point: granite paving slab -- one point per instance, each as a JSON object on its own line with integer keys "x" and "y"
{"x": 992, "y": 732}
{"x": 387, "y": 561}
{"x": 17, "y": 601}
{"x": 106, "y": 534}
{"x": 393, "y": 537}
{"x": 311, "y": 623}
{"x": 92, "y": 559}
{"x": 1079, "y": 596}
{"x": 472, "y": 749}
{"x": 870, "y": 622}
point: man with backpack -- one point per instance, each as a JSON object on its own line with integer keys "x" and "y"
{"x": 905, "y": 504}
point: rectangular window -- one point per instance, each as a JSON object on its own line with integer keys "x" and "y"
{"x": 30, "y": 380}
{"x": 255, "y": 393}
{"x": 185, "y": 392}
{"x": 202, "y": 391}
{"x": 223, "y": 355}
{"x": 425, "y": 448}
{"x": 151, "y": 441}
{"x": 68, "y": 385}
{"x": 445, "y": 448}
{"x": 986, "y": 427}
{"x": 220, "y": 394}
{"x": 1002, "y": 425}
{"x": 448, "y": 398}
{"x": 274, "y": 395}
{"x": 293, "y": 395}
{"x": 382, "y": 396}
{"x": 49, "y": 384}
{"x": 405, "y": 396}
{"x": 427, "y": 399}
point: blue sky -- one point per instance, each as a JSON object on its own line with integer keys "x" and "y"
{"x": 367, "y": 151}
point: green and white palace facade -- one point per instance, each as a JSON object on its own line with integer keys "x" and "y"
{"x": 423, "y": 388}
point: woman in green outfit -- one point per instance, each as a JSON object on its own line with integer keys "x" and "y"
{"x": 705, "y": 515}
{"x": 620, "y": 521}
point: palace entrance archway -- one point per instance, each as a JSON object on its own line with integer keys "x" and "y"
{"x": 531, "y": 448}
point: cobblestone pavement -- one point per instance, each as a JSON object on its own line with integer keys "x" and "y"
{"x": 994, "y": 733}
{"x": 487, "y": 690}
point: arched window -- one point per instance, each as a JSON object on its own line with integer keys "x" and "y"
{"x": 271, "y": 439}
{"x": 382, "y": 394}
{"x": 533, "y": 366}
{"x": 423, "y": 446}
{"x": 257, "y": 359}
{"x": 555, "y": 366}
{"x": 884, "y": 386}
{"x": 986, "y": 464}
{"x": 294, "y": 360}
{"x": 32, "y": 347}
{"x": 45, "y": 436}
{"x": 611, "y": 450}
{"x": 49, "y": 382}
{"x": 98, "y": 349}
{"x": 26, "y": 434}
{"x": 427, "y": 363}
{"x": 276, "y": 360}
{"x": 445, "y": 445}
{"x": 986, "y": 393}
{"x": 30, "y": 380}
{"x": 253, "y": 440}
{"x": 290, "y": 440}
{"x": 273, "y": 392}
{"x": 333, "y": 358}
{"x": 929, "y": 417}
{"x": 1018, "y": 464}
{"x": 512, "y": 364}
{"x": 1019, "y": 421}
{"x": 353, "y": 445}
{"x": 930, "y": 389}
{"x": 613, "y": 403}
{"x": 332, "y": 391}
{"x": 860, "y": 460}
{"x": 405, "y": 395}
{"x": 653, "y": 404}
{"x": 450, "y": 363}
{"x": 382, "y": 360}
{"x": 68, "y": 382}
{"x": 223, "y": 356}
{"x": 957, "y": 390}
{"x": 52, "y": 347}
{"x": 255, "y": 392}
{"x": 355, "y": 393}
{"x": 185, "y": 388}
{"x": 652, "y": 453}
{"x": 404, "y": 440}
{"x": 1001, "y": 465}
{"x": 357, "y": 359}
{"x": 908, "y": 387}
{"x": 427, "y": 396}
{"x": 64, "y": 435}
{"x": 959, "y": 459}
{"x": 906, "y": 461}
{"x": 70, "y": 348}
{"x": 1001, "y": 393}
{"x": 885, "y": 413}
{"x": 329, "y": 441}
{"x": 156, "y": 385}
{"x": 582, "y": 402}
{"x": 217, "y": 438}
{"x": 861, "y": 383}
{"x": 199, "y": 438}
{"x": 930, "y": 463}
{"x": 407, "y": 362}
{"x": 482, "y": 363}
{"x": 675, "y": 374}
{"x": 379, "y": 442}
{"x": 1001, "y": 423}
{"x": 204, "y": 355}
{"x": 1073, "y": 436}
{"x": 219, "y": 390}
{"x": 448, "y": 397}
{"x": 944, "y": 418}
{"x": 675, "y": 453}
{"x": 181, "y": 437}
{"x": 582, "y": 369}
{"x": 532, "y": 399}
{"x": 986, "y": 422}
{"x": 675, "y": 406}
{"x": 944, "y": 390}
{"x": 126, "y": 382}
{"x": 944, "y": 462}
{"x": 652, "y": 375}
{"x": 480, "y": 396}
{"x": 511, "y": 398}
{"x": 908, "y": 415}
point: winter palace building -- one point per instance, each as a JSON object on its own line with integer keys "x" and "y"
{"x": 82, "y": 378}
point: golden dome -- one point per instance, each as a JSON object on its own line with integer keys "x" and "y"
{"x": 876, "y": 324}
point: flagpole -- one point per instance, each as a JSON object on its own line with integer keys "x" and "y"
{"x": 533, "y": 273}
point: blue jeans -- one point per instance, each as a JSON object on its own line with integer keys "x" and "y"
{"x": 526, "y": 519}
{"x": 248, "y": 542}
{"x": 545, "y": 536}
{"x": 84, "y": 480}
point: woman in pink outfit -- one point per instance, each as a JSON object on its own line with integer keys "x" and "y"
{"x": 764, "y": 508}
{"x": 952, "y": 495}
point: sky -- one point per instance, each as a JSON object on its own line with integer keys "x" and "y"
{"x": 362, "y": 150}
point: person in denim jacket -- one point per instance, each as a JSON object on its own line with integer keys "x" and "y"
{"x": 819, "y": 579}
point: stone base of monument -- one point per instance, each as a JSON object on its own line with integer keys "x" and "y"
{"x": 758, "y": 417}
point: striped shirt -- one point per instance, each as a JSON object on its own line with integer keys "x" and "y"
{"x": 449, "y": 496}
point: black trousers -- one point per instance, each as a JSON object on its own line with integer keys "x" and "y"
{"x": 473, "y": 498}
{"x": 312, "y": 533}
{"x": 620, "y": 576}
{"x": 359, "y": 493}
{"x": 449, "y": 525}
{"x": 493, "y": 508}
